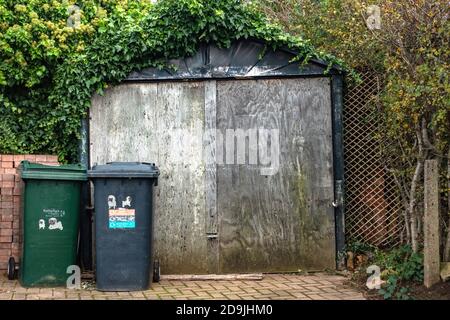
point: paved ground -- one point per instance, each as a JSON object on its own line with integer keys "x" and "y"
{"x": 273, "y": 286}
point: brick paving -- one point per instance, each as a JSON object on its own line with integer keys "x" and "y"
{"x": 271, "y": 287}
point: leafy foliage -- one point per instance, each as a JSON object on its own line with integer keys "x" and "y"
{"x": 405, "y": 263}
{"x": 334, "y": 26}
{"x": 358, "y": 247}
{"x": 411, "y": 49}
{"x": 401, "y": 266}
{"x": 391, "y": 290}
{"x": 49, "y": 71}
{"x": 416, "y": 99}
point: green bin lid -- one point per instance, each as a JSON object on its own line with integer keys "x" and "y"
{"x": 75, "y": 172}
{"x": 124, "y": 170}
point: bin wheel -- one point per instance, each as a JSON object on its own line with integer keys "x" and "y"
{"x": 156, "y": 271}
{"x": 11, "y": 268}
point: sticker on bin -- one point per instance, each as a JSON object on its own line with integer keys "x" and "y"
{"x": 121, "y": 218}
{"x": 53, "y": 224}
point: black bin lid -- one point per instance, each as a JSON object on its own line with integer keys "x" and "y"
{"x": 124, "y": 170}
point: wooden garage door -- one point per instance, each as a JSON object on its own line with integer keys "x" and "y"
{"x": 284, "y": 221}
{"x": 228, "y": 217}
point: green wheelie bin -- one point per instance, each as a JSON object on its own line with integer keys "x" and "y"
{"x": 50, "y": 218}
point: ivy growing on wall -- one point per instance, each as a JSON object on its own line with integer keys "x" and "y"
{"x": 54, "y": 56}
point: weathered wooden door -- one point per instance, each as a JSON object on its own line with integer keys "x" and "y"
{"x": 283, "y": 221}
{"x": 160, "y": 123}
{"x": 216, "y": 210}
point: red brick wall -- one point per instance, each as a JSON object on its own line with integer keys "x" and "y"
{"x": 10, "y": 192}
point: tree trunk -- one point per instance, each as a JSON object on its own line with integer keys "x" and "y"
{"x": 414, "y": 234}
{"x": 405, "y": 202}
{"x": 412, "y": 210}
{"x": 408, "y": 227}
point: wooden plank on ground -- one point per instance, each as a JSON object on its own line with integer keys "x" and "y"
{"x": 216, "y": 277}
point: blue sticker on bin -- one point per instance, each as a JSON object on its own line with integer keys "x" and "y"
{"x": 122, "y": 218}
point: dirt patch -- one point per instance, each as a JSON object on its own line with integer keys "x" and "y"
{"x": 440, "y": 291}
{"x": 357, "y": 280}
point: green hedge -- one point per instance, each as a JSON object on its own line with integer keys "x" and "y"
{"x": 49, "y": 71}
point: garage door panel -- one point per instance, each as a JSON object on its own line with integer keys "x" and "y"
{"x": 284, "y": 221}
{"x": 161, "y": 123}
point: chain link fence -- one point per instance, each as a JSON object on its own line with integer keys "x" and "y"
{"x": 373, "y": 207}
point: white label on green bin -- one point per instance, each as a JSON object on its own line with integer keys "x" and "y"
{"x": 54, "y": 213}
{"x": 51, "y": 219}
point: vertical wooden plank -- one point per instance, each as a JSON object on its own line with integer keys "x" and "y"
{"x": 431, "y": 224}
{"x": 181, "y": 243}
{"x": 210, "y": 156}
{"x": 209, "y": 149}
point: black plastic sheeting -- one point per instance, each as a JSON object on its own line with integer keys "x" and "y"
{"x": 243, "y": 59}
